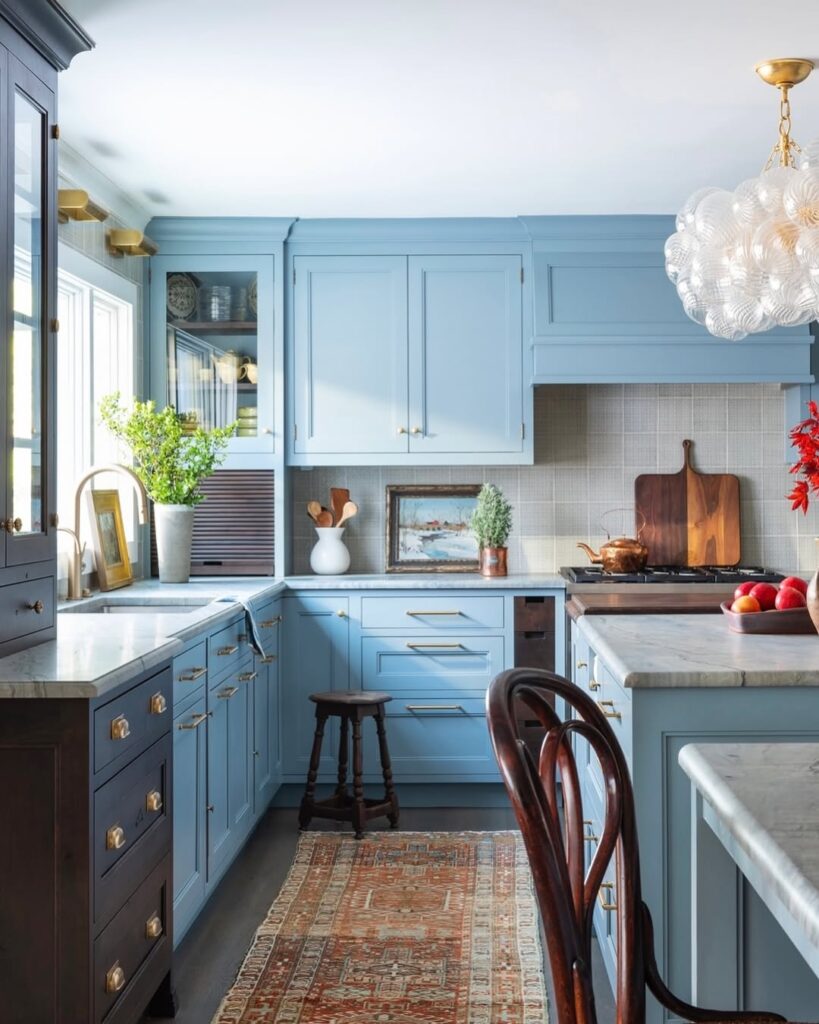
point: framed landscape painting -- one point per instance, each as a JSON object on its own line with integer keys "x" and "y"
{"x": 428, "y": 528}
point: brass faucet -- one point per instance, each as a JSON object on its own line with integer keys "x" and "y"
{"x": 75, "y": 562}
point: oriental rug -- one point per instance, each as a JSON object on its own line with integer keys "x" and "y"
{"x": 397, "y": 928}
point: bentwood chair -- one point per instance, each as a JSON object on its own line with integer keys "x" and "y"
{"x": 565, "y": 890}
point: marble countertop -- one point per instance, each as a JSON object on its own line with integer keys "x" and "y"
{"x": 428, "y": 581}
{"x": 764, "y": 799}
{"x": 697, "y": 650}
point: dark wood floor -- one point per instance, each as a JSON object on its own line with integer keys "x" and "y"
{"x": 206, "y": 962}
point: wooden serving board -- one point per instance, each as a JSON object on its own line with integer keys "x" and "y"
{"x": 691, "y": 518}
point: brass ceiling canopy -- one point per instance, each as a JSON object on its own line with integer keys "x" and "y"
{"x": 784, "y": 72}
{"x": 76, "y": 204}
{"x": 130, "y": 242}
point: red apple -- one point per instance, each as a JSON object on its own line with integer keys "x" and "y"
{"x": 744, "y": 588}
{"x": 796, "y": 583}
{"x": 765, "y": 593}
{"x": 790, "y": 597}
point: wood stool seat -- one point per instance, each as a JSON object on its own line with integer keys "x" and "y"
{"x": 351, "y": 707}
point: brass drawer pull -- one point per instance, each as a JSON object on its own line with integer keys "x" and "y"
{"x": 611, "y": 903}
{"x": 434, "y": 707}
{"x": 115, "y": 978}
{"x": 270, "y": 623}
{"x": 192, "y": 675}
{"x": 37, "y": 607}
{"x": 153, "y": 927}
{"x": 115, "y": 838}
{"x": 607, "y": 707}
{"x": 582, "y": 664}
{"x": 442, "y": 647}
{"x": 268, "y": 659}
{"x": 195, "y": 722}
{"x": 153, "y": 801}
{"x": 247, "y": 677}
{"x": 158, "y": 704}
{"x": 120, "y": 729}
{"x": 231, "y": 691}
{"x": 230, "y": 649}
{"x": 593, "y": 684}
{"x": 454, "y": 611}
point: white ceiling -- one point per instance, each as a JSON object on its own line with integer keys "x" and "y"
{"x": 372, "y": 108}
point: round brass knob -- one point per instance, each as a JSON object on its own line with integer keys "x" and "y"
{"x": 37, "y": 607}
{"x": 417, "y": 430}
{"x": 153, "y": 801}
{"x": 341, "y": 613}
{"x": 153, "y": 927}
{"x": 120, "y": 728}
{"x": 402, "y": 430}
{"x": 7, "y": 525}
{"x": 17, "y": 524}
{"x": 115, "y": 838}
{"x": 115, "y": 978}
{"x": 158, "y": 704}
{"x": 582, "y": 664}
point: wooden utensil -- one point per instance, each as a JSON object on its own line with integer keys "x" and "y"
{"x": 350, "y": 509}
{"x": 338, "y": 497}
{"x": 325, "y": 518}
{"x": 314, "y": 511}
{"x": 691, "y": 518}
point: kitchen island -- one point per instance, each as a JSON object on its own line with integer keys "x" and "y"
{"x": 665, "y": 681}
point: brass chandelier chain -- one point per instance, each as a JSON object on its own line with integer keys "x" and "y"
{"x": 785, "y": 148}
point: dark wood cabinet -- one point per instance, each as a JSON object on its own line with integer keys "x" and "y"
{"x": 37, "y": 39}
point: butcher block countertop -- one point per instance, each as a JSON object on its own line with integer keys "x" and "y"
{"x": 643, "y": 602}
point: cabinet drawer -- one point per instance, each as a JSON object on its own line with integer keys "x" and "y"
{"x": 190, "y": 672}
{"x": 226, "y": 647}
{"x": 133, "y": 720}
{"x": 436, "y": 737}
{"x": 131, "y": 826}
{"x": 18, "y": 608}
{"x": 138, "y": 931}
{"x": 615, "y": 703}
{"x": 424, "y": 663}
{"x": 424, "y": 612}
{"x": 268, "y": 623}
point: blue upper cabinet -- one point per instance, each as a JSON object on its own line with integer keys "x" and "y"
{"x": 466, "y": 375}
{"x": 350, "y": 356}
{"x": 405, "y": 349}
{"x": 604, "y": 310}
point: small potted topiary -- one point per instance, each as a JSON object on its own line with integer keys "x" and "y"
{"x": 171, "y": 461}
{"x": 492, "y": 523}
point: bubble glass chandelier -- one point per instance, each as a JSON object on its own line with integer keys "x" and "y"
{"x": 748, "y": 260}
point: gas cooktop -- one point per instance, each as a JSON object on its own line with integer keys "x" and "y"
{"x": 672, "y": 574}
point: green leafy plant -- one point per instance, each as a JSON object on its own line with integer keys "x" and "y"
{"x": 492, "y": 519}
{"x": 170, "y": 461}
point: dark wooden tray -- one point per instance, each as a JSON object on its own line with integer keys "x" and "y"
{"x": 792, "y": 620}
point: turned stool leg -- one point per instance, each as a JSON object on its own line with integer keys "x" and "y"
{"x": 359, "y": 816}
{"x": 341, "y": 788}
{"x": 306, "y": 809}
{"x": 386, "y": 768}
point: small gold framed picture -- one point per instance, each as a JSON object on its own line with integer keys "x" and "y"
{"x": 110, "y": 545}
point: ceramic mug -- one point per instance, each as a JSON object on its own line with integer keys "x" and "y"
{"x": 249, "y": 371}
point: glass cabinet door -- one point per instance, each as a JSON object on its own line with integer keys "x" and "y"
{"x": 218, "y": 345}
{"x": 27, "y": 500}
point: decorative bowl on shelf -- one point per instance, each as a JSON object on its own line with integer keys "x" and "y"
{"x": 792, "y": 620}
{"x": 181, "y": 296}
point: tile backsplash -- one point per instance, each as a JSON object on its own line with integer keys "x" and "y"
{"x": 591, "y": 441}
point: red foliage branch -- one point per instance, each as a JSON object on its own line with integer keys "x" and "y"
{"x": 805, "y": 438}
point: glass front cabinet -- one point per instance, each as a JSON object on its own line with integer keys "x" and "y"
{"x": 212, "y": 346}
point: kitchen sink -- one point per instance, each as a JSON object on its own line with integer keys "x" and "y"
{"x": 137, "y": 606}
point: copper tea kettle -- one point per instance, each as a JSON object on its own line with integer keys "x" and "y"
{"x": 621, "y": 555}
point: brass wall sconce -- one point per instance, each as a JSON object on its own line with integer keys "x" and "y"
{"x": 130, "y": 242}
{"x": 76, "y": 204}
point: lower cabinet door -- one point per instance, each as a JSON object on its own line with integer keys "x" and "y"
{"x": 262, "y": 746}
{"x": 189, "y": 826}
{"x": 230, "y": 778}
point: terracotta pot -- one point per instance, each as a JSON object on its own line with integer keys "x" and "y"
{"x": 813, "y": 600}
{"x": 493, "y": 561}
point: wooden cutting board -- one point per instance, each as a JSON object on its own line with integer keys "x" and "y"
{"x": 691, "y": 518}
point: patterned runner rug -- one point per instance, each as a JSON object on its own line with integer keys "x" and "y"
{"x": 399, "y": 928}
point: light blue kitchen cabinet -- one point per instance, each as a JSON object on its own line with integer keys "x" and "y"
{"x": 230, "y": 765}
{"x": 189, "y": 824}
{"x": 350, "y": 355}
{"x": 416, "y": 359}
{"x": 316, "y": 658}
{"x": 605, "y": 311}
{"x": 266, "y": 711}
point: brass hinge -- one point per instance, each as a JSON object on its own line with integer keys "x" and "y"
{"x": 521, "y": 275}
{"x": 55, "y": 325}
{"x": 55, "y": 131}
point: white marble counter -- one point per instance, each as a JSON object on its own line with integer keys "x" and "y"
{"x": 428, "y": 581}
{"x": 762, "y": 802}
{"x": 697, "y": 650}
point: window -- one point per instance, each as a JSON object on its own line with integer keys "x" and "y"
{"x": 95, "y": 356}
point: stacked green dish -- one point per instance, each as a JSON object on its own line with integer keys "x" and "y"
{"x": 248, "y": 417}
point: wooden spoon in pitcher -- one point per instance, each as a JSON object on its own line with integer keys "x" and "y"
{"x": 350, "y": 509}
{"x": 314, "y": 511}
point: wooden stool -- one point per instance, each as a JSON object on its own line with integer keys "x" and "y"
{"x": 350, "y": 706}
